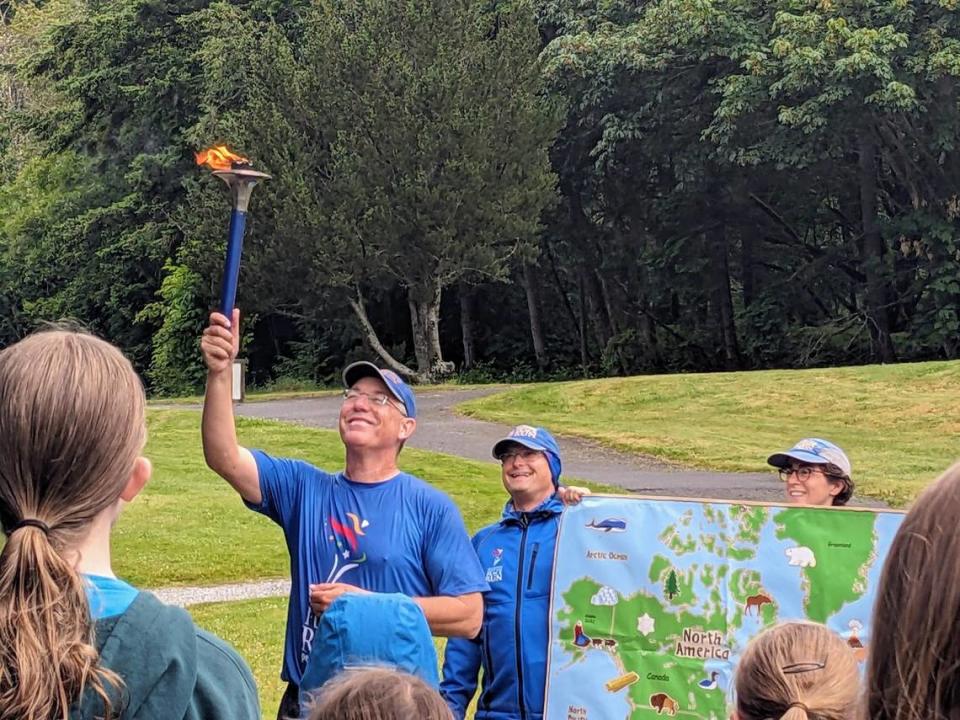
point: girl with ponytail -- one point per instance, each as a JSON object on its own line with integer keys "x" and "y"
{"x": 77, "y": 643}
{"x": 797, "y": 671}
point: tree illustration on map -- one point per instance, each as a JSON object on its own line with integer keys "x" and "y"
{"x": 671, "y": 588}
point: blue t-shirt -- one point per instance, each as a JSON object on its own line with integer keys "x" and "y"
{"x": 108, "y": 596}
{"x": 399, "y": 535}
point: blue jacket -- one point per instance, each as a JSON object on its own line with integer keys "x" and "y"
{"x": 517, "y": 553}
{"x": 369, "y": 629}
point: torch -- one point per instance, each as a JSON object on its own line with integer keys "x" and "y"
{"x": 240, "y": 177}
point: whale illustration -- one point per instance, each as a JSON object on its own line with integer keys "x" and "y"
{"x": 609, "y": 525}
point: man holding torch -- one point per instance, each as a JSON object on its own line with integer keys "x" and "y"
{"x": 367, "y": 528}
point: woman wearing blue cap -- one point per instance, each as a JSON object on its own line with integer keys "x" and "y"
{"x": 517, "y": 553}
{"x": 815, "y": 472}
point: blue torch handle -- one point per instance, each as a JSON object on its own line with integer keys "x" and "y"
{"x": 231, "y": 265}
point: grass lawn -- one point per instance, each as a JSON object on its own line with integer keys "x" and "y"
{"x": 189, "y": 527}
{"x": 255, "y": 628}
{"x": 900, "y": 424}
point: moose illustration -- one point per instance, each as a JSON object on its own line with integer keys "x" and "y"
{"x": 757, "y": 601}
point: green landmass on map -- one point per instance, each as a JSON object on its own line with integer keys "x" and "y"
{"x": 651, "y": 650}
{"x": 843, "y": 547}
{"x": 734, "y": 534}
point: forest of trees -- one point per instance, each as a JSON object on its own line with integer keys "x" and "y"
{"x": 502, "y": 188}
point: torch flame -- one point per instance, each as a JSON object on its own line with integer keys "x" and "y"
{"x": 219, "y": 157}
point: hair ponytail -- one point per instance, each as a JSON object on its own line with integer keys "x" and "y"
{"x": 796, "y": 671}
{"x": 46, "y": 651}
{"x": 72, "y": 423}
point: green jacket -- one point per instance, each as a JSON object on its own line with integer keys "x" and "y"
{"x": 171, "y": 669}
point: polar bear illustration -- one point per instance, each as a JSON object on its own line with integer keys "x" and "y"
{"x": 801, "y": 556}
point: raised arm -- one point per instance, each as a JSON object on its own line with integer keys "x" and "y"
{"x": 223, "y": 454}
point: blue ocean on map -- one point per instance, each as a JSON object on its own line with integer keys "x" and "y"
{"x": 584, "y": 674}
{"x": 628, "y": 545}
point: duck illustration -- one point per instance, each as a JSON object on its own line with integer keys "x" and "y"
{"x": 711, "y": 682}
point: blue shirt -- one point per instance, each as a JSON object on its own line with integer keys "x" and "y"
{"x": 107, "y": 596}
{"x": 399, "y": 535}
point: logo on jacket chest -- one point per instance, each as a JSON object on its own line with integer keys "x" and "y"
{"x": 495, "y": 571}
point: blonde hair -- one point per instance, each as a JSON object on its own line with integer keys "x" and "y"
{"x": 378, "y": 694}
{"x": 72, "y": 423}
{"x": 913, "y": 668}
{"x": 795, "y": 671}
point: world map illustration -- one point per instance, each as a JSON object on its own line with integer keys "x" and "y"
{"x": 654, "y": 599}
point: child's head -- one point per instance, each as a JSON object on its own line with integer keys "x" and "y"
{"x": 913, "y": 668}
{"x": 378, "y": 694}
{"x": 795, "y": 671}
{"x": 72, "y": 426}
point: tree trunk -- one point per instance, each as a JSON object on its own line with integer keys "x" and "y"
{"x": 747, "y": 275}
{"x": 466, "y": 325}
{"x": 425, "y": 324}
{"x": 613, "y": 327}
{"x": 874, "y": 252}
{"x": 438, "y": 366}
{"x": 533, "y": 308}
{"x": 563, "y": 294}
{"x": 584, "y": 356}
{"x": 720, "y": 298}
{"x": 371, "y": 335}
{"x": 421, "y": 344}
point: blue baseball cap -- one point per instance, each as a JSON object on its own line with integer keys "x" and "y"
{"x": 535, "y": 438}
{"x": 395, "y": 384}
{"x": 814, "y": 451}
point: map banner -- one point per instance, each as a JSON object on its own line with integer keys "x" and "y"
{"x": 654, "y": 599}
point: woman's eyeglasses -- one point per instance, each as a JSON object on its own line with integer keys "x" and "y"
{"x": 805, "y": 472}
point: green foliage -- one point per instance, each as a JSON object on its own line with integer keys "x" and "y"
{"x": 175, "y": 366}
{"x": 403, "y": 156}
{"x": 690, "y": 186}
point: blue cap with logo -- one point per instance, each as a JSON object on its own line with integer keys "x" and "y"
{"x": 395, "y": 384}
{"x": 815, "y": 451}
{"x": 535, "y": 438}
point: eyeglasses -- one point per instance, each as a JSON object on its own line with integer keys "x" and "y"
{"x": 375, "y": 398}
{"x": 525, "y": 454}
{"x": 803, "y": 473}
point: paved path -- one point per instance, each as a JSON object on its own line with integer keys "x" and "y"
{"x": 183, "y": 596}
{"x": 441, "y": 429}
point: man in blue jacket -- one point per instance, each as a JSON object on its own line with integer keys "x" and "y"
{"x": 517, "y": 553}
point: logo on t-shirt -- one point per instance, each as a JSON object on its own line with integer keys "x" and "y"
{"x": 345, "y": 535}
